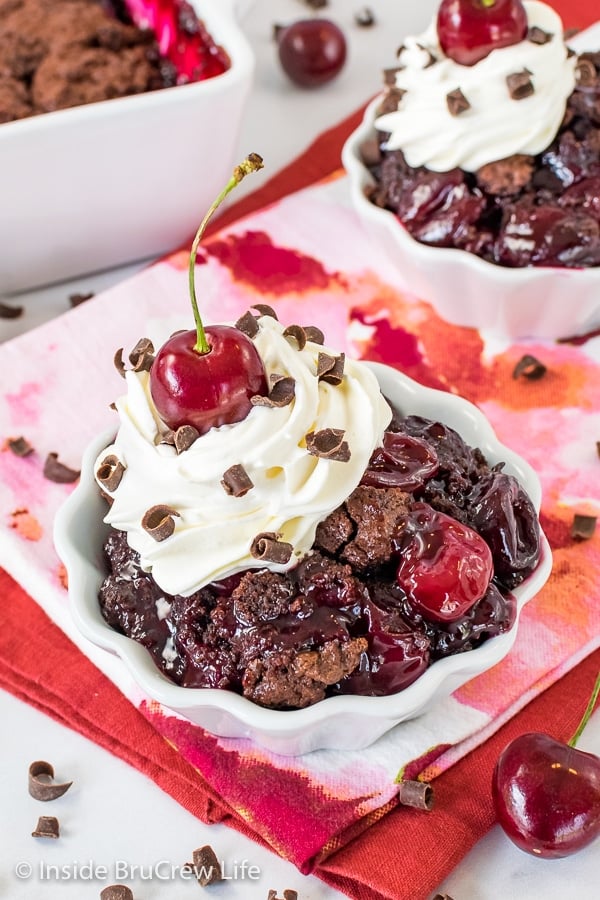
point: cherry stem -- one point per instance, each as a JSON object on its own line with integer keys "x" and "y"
{"x": 252, "y": 163}
{"x": 487, "y": 4}
{"x": 588, "y": 712}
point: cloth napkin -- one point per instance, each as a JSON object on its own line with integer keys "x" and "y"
{"x": 341, "y": 794}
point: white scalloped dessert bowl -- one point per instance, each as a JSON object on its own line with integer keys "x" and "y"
{"x": 532, "y": 302}
{"x": 341, "y": 722}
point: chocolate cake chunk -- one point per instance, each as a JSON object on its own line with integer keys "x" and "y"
{"x": 335, "y": 531}
{"x": 374, "y": 512}
{"x": 507, "y": 176}
{"x": 261, "y": 597}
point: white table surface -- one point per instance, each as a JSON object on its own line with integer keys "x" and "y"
{"x": 115, "y": 823}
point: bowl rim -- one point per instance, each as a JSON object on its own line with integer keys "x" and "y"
{"x": 84, "y": 573}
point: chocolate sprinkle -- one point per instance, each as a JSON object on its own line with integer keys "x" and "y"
{"x": 247, "y": 324}
{"x": 47, "y": 826}
{"x": 159, "y": 521}
{"x": 330, "y": 368}
{"x": 41, "y": 786}
{"x": 184, "y": 437}
{"x": 298, "y": 333}
{"x": 265, "y": 310}
{"x": 282, "y": 392}
{"x": 314, "y": 334}
{"x": 267, "y": 547}
{"x": 537, "y": 35}
{"x": 457, "y": 102}
{"x": 328, "y": 443}
{"x": 116, "y": 892}
{"x": 520, "y": 85}
{"x": 118, "y": 361}
{"x": 10, "y": 312}
{"x": 583, "y": 527}
{"x": 236, "y": 481}
{"x": 58, "y": 472}
{"x": 585, "y": 73}
{"x": 78, "y": 299}
{"x": 529, "y": 367}
{"x": 206, "y": 866}
{"x": 20, "y": 446}
{"x": 142, "y": 355}
{"x": 364, "y": 18}
{"x": 416, "y": 793}
{"x": 110, "y": 472}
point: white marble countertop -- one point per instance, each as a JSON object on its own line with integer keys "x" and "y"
{"x": 116, "y": 824}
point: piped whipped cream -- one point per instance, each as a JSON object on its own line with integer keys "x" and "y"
{"x": 293, "y": 490}
{"x": 495, "y": 125}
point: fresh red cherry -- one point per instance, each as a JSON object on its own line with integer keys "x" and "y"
{"x": 206, "y": 377}
{"x": 470, "y": 29}
{"x": 311, "y": 51}
{"x": 445, "y": 567}
{"x": 547, "y": 793}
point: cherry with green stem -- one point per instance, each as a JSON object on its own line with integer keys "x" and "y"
{"x": 546, "y": 793}
{"x": 206, "y": 377}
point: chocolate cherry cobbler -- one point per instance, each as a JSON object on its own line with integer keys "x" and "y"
{"x": 488, "y": 137}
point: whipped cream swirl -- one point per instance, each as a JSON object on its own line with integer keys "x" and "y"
{"x": 495, "y": 125}
{"x": 293, "y": 490}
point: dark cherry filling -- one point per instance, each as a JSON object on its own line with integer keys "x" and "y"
{"x": 417, "y": 564}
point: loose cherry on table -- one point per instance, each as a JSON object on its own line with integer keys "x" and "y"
{"x": 206, "y": 377}
{"x": 468, "y": 30}
{"x": 311, "y": 51}
{"x": 547, "y": 793}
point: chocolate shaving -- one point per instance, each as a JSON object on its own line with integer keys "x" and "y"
{"x": 370, "y": 152}
{"x": 598, "y": 448}
{"x": 118, "y": 361}
{"x": 328, "y": 443}
{"x": 529, "y": 367}
{"x": 236, "y": 481}
{"x": 391, "y": 101}
{"x": 78, "y": 299}
{"x": 116, "y": 892}
{"x": 298, "y": 333}
{"x": 159, "y": 521}
{"x": 585, "y": 73}
{"x": 47, "y": 826}
{"x": 58, "y": 472}
{"x": 247, "y": 324}
{"x": 330, "y": 368}
{"x": 457, "y": 102}
{"x": 431, "y": 58}
{"x": 282, "y": 392}
{"x": 265, "y": 310}
{"x": 20, "y": 446}
{"x": 142, "y": 355}
{"x": 537, "y": 35}
{"x": 41, "y": 785}
{"x": 520, "y": 85}
{"x": 206, "y": 866}
{"x": 314, "y": 334}
{"x": 184, "y": 437}
{"x": 268, "y": 548}
{"x": 167, "y": 437}
{"x": 364, "y": 18}
{"x": 583, "y": 527}
{"x": 389, "y": 75}
{"x": 7, "y": 311}
{"x": 416, "y": 793}
{"x": 110, "y": 473}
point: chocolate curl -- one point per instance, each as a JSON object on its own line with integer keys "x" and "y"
{"x": 583, "y": 527}
{"x": 40, "y": 783}
{"x": 184, "y": 437}
{"x": 268, "y": 548}
{"x": 247, "y": 324}
{"x": 298, "y": 333}
{"x": 116, "y": 892}
{"x": 236, "y": 482}
{"x": 118, "y": 361}
{"x": 58, "y": 472}
{"x": 457, "y": 102}
{"x": 265, "y": 310}
{"x": 314, "y": 334}
{"x": 159, "y": 522}
{"x": 207, "y": 867}
{"x": 330, "y": 368}
{"x": 282, "y": 392}
{"x": 20, "y": 446}
{"x": 585, "y": 73}
{"x": 416, "y": 793}
{"x": 364, "y": 18}
{"x": 142, "y": 355}
{"x": 537, "y": 35}
{"x": 431, "y": 58}
{"x": 520, "y": 85}
{"x": 7, "y": 311}
{"x": 47, "y": 826}
{"x": 110, "y": 473}
{"x": 529, "y": 367}
{"x": 328, "y": 443}
{"x": 288, "y": 894}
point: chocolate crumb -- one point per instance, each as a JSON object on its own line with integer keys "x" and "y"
{"x": 118, "y": 361}
{"x": 585, "y": 73}
{"x": 247, "y": 324}
{"x": 236, "y": 481}
{"x": 328, "y": 443}
{"x": 314, "y": 334}
{"x": 116, "y": 892}
{"x": 283, "y": 391}
{"x": 58, "y": 472}
{"x": 159, "y": 521}
{"x": 7, "y": 311}
{"x": 142, "y": 355}
{"x": 330, "y": 368}
{"x": 184, "y": 437}
{"x": 416, "y": 793}
{"x": 583, "y": 527}
{"x": 457, "y": 102}
{"x": 265, "y": 310}
{"x": 110, "y": 472}
{"x": 267, "y": 547}
{"x": 364, "y": 18}
{"x": 298, "y": 333}
{"x": 78, "y": 299}
{"x": 20, "y": 446}
{"x": 47, "y": 826}
{"x": 206, "y": 866}
{"x": 520, "y": 85}
{"x": 537, "y": 35}
{"x": 529, "y": 367}
{"x": 41, "y": 784}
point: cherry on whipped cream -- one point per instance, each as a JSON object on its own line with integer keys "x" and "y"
{"x": 468, "y": 30}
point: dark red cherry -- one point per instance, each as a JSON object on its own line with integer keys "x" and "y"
{"x": 445, "y": 567}
{"x": 311, "y": 51}
{"x": 403, "y": 461}
{"x": 211, "y": 389}
{"x": 468, "y": 30}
